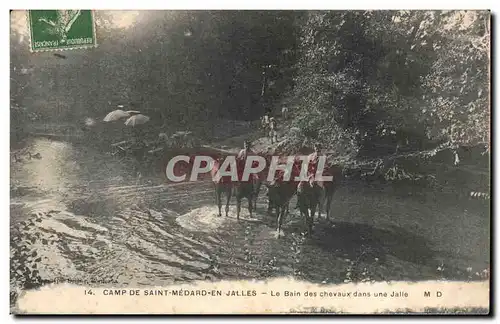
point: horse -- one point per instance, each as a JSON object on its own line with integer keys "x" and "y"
{"x": 245, "y": 189}
{"x": 328, "y": 188}
{"x": 280, "y": 192}
{"x": 221, "y": 185}
{"x": 308, "y": 199}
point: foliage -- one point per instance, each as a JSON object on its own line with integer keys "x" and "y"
{"x": 409, "y": 81}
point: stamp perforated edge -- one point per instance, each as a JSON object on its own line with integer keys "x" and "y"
{"x": 94, "y": 34}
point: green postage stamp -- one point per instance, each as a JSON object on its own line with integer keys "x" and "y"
{"x": 61, "y": 29}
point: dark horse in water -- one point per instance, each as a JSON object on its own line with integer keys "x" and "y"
{"x": 246, "y": 188}
{"x": 327, "y": 188}
{"x": 308, "y": 199}
{"x": 280, "y": 192}
{"x": 222, "y": 185}
{"x": 242, "y": 188}
{"x": 311, "y": 194}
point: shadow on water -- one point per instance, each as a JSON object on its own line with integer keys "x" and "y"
{"x": 355, "y": 239}
{"x": 99, "y": 208}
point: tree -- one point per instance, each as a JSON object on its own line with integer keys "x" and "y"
{"x": 392, "y": 85}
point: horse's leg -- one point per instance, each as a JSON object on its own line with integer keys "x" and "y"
{"x": 304, "y": 212}
{"x": 218, "y": 198}
{"x": 329, "y": 199}
{"x": 284, "y": 211}
{"x": 215, "y": 193}
{"x": 250, "y": 202}
{"x": 228, "y": 194}
{"x": 303, "y": 202}
{"x": 256, "y": 194}
{"x": 269, "y": 206}
{"x": 311, "y": 218}
{"x": 320, "y": 199}
{"x": 238, "y": 203}
{"x": 280, "y": 219}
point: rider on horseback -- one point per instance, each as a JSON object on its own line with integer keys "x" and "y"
{"x": 313, "y": 159}
{"x": 246, "y": 151}
{"x": 241, "y": 158}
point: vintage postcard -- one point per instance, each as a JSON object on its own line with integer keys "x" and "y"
{"x": 250, "y": 162}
